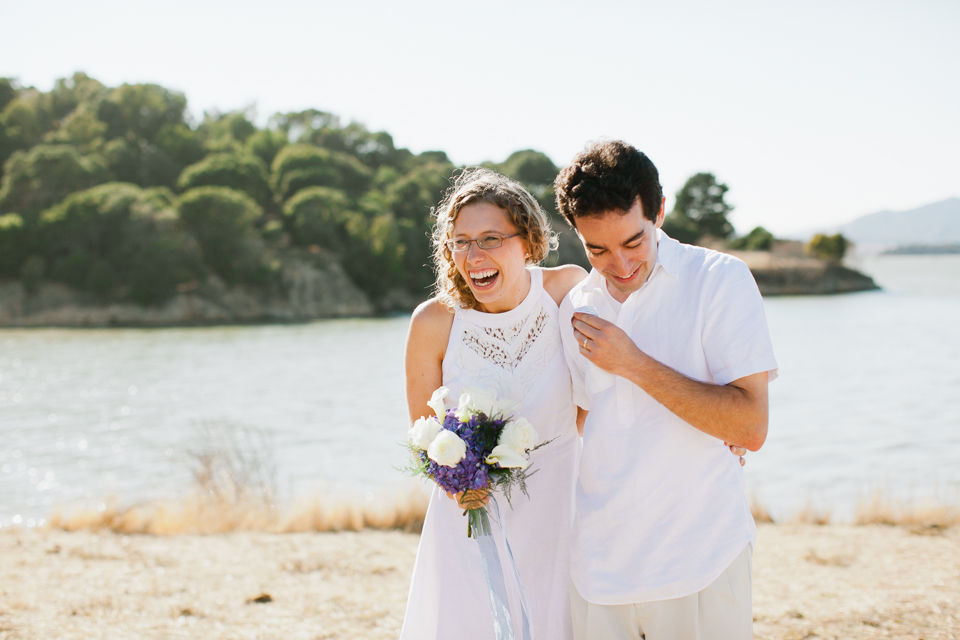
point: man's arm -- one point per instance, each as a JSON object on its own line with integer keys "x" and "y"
{"x": 736, "y": 412}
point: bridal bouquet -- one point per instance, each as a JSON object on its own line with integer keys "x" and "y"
{"x": 477, "y": 445}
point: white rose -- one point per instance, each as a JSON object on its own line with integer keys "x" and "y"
{"x": 423, "y": 431}
{"x": 437, "y": 402}
{"x": 447, "y": 449}
{"x": 506, "y": 458}
{"x": 519, "y": 435}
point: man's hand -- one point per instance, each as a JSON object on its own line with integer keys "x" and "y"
{"x": 604, "y": 343}
{"x": 734, "y": 412}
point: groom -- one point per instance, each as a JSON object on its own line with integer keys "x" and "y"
{"x": 674, "y": 364}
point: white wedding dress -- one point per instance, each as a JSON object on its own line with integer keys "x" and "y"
{"x": 516, "y": 355}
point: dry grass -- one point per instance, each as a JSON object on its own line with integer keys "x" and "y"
{"x": 200, "y": 514}
{"x": 759, "y": 511}
{"x": 927, "y": 516}
{"x": 930, "y": 515}
{"x": 812, "y": 515}
{"x": 234, "y": 490}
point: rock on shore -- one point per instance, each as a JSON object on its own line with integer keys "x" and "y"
{"x": 306, "y": 291}
{"x": 785, "y": 274}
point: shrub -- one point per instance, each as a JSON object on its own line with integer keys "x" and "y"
{"x": 32, "y": 273}
{"x": 91, "y": 221}
{"x": 11, "y": 244}
{"x": 73, "y": 269}
{"x": 43, "y": 176}
{"x": 159, "y": 266}
{"x": 222, "y": 220}
{"x": 100, "y": 279}
{"x": 318, "y": 215}
{"x": 831, "y": 248}
{"x": 757, "y": 240}
{"x": 242, "y": 172}
{"x": 298, "y": 166}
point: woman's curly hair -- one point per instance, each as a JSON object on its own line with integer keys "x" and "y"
{"x": 472, "y": 186}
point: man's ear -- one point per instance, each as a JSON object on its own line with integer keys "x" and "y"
{"x": 661, "y": 214}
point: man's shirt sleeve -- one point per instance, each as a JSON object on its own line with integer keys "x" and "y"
{"x": 736, "y": 340}
{"x": 571, "y": 352}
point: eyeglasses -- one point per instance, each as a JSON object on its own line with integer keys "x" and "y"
{"x": 456, "y": 245}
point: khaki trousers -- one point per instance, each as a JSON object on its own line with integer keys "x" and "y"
{"x": 722, "y": 611}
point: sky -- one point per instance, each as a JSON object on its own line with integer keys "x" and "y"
{"x": 813, "y": 113}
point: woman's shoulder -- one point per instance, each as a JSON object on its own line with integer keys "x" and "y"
{"x": 433, "y": 315}
{"x": 557, "y": 281}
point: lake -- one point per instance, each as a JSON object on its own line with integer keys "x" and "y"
{"x": 868, "y": 399}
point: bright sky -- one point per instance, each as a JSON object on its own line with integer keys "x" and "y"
{"x": 812, "y": 112}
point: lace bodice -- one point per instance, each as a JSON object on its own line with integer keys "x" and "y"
{"x": 507, "y": 353}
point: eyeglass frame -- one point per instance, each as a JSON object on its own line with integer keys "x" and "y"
{"x": 470, "y": 241}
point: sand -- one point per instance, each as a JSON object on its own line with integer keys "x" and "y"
{"x": 809, "y": 582}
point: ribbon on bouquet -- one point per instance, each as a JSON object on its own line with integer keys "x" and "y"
{"x": 493, "y": 571}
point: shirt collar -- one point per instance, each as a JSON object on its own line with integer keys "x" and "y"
{"x": 668, "y": 254}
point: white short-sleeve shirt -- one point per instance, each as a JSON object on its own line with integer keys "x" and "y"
{"x": 661, "y": 508}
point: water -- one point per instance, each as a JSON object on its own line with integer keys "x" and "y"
{"x": 868, "y": 398}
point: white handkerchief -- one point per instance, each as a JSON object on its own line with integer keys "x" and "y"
{"x": 596, "y": 378}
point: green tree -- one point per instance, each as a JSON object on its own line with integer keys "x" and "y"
{"x": 319, "y": 215}
{"x": 530, "y": 167}
{"x": 240, "y": 171}
{"x": 8, "y": 91}
{"x": 65, "y": 97}
{"x": 82, "y": 129}
{"x": 12, "y": 245}
{"x": 223, "y": 220}
{"x": 148, "y": 142}
{"x": 298, "y": 166}
{"x": 700, "y": 210}
{"x": 832, "y": 248}
{"x": 43, "y": 176}
{"x": 266, "y": 144}
{"x": 373, "y": 253}
{"x": 226, "y": 132}
{"x": 87, "y": 228}
{"x": 139, "y": 111}
{"x": 32, "y": 272}
{"x": 411, "y": 199}
{"x": 19, "y": 128}
{"x": 757, "y": 240}
{"x": 160, "y": 265}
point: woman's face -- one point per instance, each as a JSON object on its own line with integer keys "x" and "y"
{"x": 497, "y": 277}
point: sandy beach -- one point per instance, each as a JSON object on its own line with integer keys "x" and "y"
{"x": 810, "y": 581}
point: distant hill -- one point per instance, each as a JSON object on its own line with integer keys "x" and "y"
{"x": 932, "y": 224}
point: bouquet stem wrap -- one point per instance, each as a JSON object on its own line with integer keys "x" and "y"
{"x": 493, "y": 570}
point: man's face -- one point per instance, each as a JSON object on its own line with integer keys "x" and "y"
{"x": 623, "y": 247}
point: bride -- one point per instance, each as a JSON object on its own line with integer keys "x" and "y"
{"x": 493, "y": 325}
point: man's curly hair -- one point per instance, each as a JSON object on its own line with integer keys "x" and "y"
{"x": 472, "y": 186}
{"x": 608, "y": 176}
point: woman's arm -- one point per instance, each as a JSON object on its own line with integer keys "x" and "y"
{"x": 426, "y": 344}
{"x": 423, "y": 361}
{"x": 559, "y": 280}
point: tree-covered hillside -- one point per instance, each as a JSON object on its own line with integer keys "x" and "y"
{"x": 115, "y": 191}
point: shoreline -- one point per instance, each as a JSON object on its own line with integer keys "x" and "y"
{"x": 310, "y": 293}
{"x": 833, "y": 581}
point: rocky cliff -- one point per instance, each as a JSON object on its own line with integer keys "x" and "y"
{"x": 783, "y": 275}
{"x": 305, "y": 291}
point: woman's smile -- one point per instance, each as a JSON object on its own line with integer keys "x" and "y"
{"x": 484, "y": 279}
